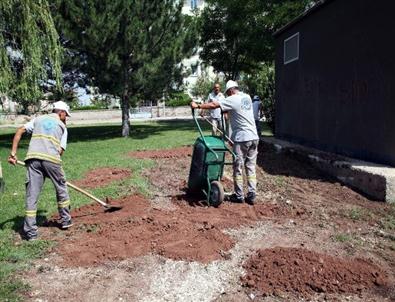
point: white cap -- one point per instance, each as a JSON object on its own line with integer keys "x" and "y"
{"x": 230, "y": 84}
{"x": 62, "y": 106}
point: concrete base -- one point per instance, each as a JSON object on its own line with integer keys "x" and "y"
{"x": 374, "y": 180}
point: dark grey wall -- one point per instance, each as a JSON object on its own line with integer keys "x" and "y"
{"x": 340, "y": 95}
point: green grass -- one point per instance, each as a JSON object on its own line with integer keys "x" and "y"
{"x": 89, "y": 147}
{"x": 388, "y": 221}
{"x": 280, "y": 181}
{"x": 342, "y": 237}
{"x": 358, "y": 213}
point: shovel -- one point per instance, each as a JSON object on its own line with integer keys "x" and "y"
{"x": 108, "y": 207}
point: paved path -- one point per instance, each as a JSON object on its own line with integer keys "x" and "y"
{"x": 108, "y": 121}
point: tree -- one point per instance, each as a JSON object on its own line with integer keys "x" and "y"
{"x": 236, "y": 35}
{"x": 129, "y": 48}
{"x": 261, "y": 83}
{"x": 30, "y": 52}
{"x": 202, "y": 87}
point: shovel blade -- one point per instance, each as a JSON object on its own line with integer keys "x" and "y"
{"x": 110, "y": 209}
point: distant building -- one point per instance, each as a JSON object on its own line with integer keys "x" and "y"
{"x": 190, "y": 6}
{"x": 335, "y": 79}
{"x": 194, "y": 63}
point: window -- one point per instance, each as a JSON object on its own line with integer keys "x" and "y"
{"x": 291, "y": 49}
{"x": 193, "y": 4}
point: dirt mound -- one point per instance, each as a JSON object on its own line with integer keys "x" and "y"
{"x": 101, "y": 177}
{"x": 192, "y": 233}
{"x": 303, "y": 273}
{"x": 164, "y": 153}
{"x": 138, "y": 230}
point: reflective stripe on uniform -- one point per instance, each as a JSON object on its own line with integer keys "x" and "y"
{"x": 63, "y": 204}
{"x": 47, "y": 137}
{"x": 238, "y": 178}
{"x": 251, "y": 178}
{"x": 43, "y": 156}
{"x": 30, "y": 213}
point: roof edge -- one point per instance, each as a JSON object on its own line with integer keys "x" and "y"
{"x": 308, "y": 12}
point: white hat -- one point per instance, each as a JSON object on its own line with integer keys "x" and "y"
{"x": 62, "y": 106}
{"x": 230, "y": 84}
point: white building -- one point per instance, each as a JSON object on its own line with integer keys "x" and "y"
{"x": 190, "y": 6}
{"x": 194, "y": 63}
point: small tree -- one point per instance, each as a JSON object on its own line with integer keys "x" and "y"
{"x": 202, "y": 87}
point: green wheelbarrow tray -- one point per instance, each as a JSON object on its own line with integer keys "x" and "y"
{"x": 207, "y": 166}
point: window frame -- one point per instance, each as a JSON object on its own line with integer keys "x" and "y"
{"x": 297, "y": 56}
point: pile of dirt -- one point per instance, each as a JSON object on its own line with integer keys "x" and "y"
{"x": 102, "y": 176}
{"x": 303, "y": 273}
{"x": 191, "y": 233}
{"x": 296, "y": 206}
{"x": 164, "y": 153}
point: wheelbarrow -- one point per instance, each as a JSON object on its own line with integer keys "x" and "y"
{"x": 207, "y": 166}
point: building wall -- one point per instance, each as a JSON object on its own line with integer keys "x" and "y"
{"x": 339, "y": 95}
{"x": 191, "y": 5}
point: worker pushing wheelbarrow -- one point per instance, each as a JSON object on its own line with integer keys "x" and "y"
{"x": 207, "y": 166}
{"x": 245, "y": 140}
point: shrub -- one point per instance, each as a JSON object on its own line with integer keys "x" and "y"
{"x": 177, "y": 99}
{"x": 89, "y": 107}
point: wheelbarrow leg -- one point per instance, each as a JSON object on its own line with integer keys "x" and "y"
{"x": 208, "y": 190}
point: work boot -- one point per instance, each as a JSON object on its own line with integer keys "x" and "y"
{"x": 250, "y": 198}
{"x": 66, "y": 224}
{"x": 30, "y": 238}
{"x": 236, "y": 199}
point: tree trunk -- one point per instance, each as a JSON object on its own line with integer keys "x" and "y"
{"x": 125, "y": 114}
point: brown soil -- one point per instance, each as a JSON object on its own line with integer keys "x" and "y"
{"x": 299, "y": 219}
{"x": 187, "y": 233}
{"x": 295, "y": 270}
{"x": 164, "y": 153}
{"x": 101, "y": 177}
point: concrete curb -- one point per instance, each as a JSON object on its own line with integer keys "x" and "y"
{"x": 374, "y": 180}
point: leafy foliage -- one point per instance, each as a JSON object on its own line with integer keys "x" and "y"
{"x": 261, "y": 82}
{"x": 30, "y": 52}
{"x": 236, "y": 35}
{"x": 131, "y": 49}
{"x": 202, "y": 87}
{"x": 178, "y": 99}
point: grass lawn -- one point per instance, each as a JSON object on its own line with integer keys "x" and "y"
{"x": 88, "y": 147}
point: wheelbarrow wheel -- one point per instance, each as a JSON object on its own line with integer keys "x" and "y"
{"x": 217, "y": 193}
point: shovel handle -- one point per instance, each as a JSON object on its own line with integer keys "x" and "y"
{"x": 87, "y": 194}
{"x": 77, "y": 189}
